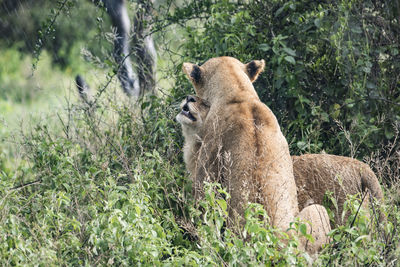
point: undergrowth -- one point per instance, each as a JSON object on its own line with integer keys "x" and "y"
{"x": 110, "y": 188}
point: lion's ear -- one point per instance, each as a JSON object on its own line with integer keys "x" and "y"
{"x": 193, "y": 71}
{"x": 254, "y": 68}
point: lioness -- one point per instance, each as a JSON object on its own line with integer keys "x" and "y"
{"x": 193, "y": 113}
{"x": 315, "y": 174}
{"x": 243, "y": 146}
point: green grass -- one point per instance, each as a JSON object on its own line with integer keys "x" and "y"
{"x": 28, "y": 96}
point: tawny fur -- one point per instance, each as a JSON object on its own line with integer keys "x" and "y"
{"x": 317, "y": 220}
{"x": 316, "y": 174}
{"x": 243, "y": 146}
{"x": 316, "y": 215}
{"x": 191, "y": 129}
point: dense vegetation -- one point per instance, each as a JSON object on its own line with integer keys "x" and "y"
{"x": 106, "y": 184}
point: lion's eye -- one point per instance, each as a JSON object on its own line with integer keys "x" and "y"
{"x": 190, "y": 99}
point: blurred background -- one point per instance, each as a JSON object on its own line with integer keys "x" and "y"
{"x": 37, "y": 71}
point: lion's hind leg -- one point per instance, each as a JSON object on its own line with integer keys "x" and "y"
{"x": 317, "y": 221}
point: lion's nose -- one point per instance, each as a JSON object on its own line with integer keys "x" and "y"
{"x": 190, "y": 98}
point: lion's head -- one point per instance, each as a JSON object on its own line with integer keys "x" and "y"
{"x": 194, "y": 110}
{"x": 223, "y": 78}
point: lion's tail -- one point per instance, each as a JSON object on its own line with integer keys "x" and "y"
{"x": 370, "y": 183}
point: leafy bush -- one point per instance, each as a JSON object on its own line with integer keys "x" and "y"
{"x": 110, "y": 188}
{"x": 326, "y": 62}
{"x": 363, "y": 240}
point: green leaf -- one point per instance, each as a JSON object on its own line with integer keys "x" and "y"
{"x": 222, "y": 204}
{"x": 371, "y": 85}
{"x": 317, "y": 22}
{"x": 279, "y": 11}
{"x": 360, "y": 238}
{"x": 122, "y": 188}
{"x": 356, "y": 29}
{"x": 137, "y": 208}
{"x": 389, "y": 134}
{"x": 337, "y": 237}
{"x": 289, "y": 51}
{"x": 108, "y": 62}
{"x": 303, "y": 229}
{"x": 335, "y": 111}
{"x": 349, "y": 102}
{"x": 302, "y": 145}
{"x": 310, "y": 238}
{"x": 290, "y": 59}
{"x": 366, "y": 69}
{"x": 253, "y": 228}
{"x": 324, "y": 116}
{"x": 264, "y": 47}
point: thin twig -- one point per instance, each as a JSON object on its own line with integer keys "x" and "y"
{"x": 358, "y": 210}
{"x": 38, "y": 181}
{"x": 39, "y": 44}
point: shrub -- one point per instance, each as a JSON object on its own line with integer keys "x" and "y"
{"x": 325, "y": 62}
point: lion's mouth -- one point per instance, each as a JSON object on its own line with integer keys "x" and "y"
{"x": 186, "y": 112}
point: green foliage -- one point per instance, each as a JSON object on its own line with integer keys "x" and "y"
{"x": 363, "y": 240}
{"x": 82, "y": 207}
{"x": 325, "y": 62}
{"x": 56, "y": 26}
{"x": 257, "y": 243}
{"x": 111, "y": 190}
